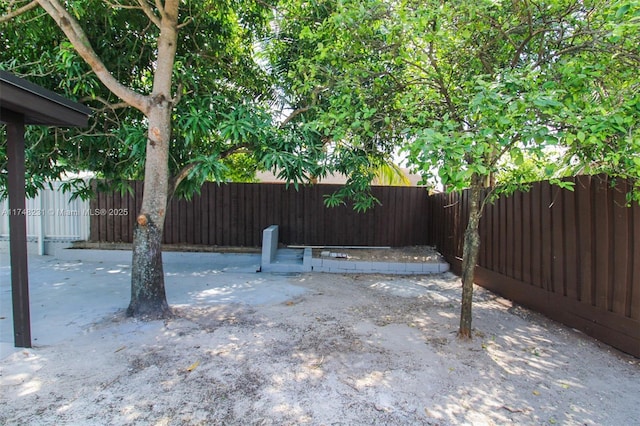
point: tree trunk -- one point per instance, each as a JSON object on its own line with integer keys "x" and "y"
{"x": 470, "y": 256}
{"x": 148, "y": 297}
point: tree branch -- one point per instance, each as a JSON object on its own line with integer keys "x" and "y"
{"x": 186, "y": 22}
{"x": 184, "y": 172}
{"x": 144, "y": 6}
{"x": 78, "y": 38}
{"x": 521, "y": 47}
{"x": 18, "y": 11}
{"x": 294, "y": 114}
{"x": 106, "y": 103}
{"x": 175, "y": 181}
{"x": 119, "y": 5}
{"x": 496, "y": 157}
{"x": 149, "y": 12}
{"x": 160, "y": 9}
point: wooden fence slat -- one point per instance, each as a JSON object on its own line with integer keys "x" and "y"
{"x": 557, "y": 240}
{"x": 186, "y": 224}
{"x": 570, "y": 245}
{"x": 601, "y": 244}
{"x": 257, "y": 226}
{"x": 108, "y": 218}
{"x": 517, "y": 236}
{"x": 298, "y": 220}
{"x": 510, "y": 236}
{"x": 119, "y": 201}
{"x": 546, "y": 234}
{"x": 102, "y": 229}
{"x": 197, "y": 218}
{"x": 620, "y": 284}
{"x": 204, "y": 217}
{"x": 584, "y": 233}
{"x": 282, "y": 215}
{"x": 94, "y": 229}
{"x": 211, "y": 212}
{"x": 526, "y": 238}
{"x": 127, "y": 219}
{"x": 486, "y": 242}
{"x": 494, "y": 265}
{"x": 536, "y": 235}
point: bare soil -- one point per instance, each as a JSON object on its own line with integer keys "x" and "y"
{"x": 411, "y": 254}
{"x": 351, "y": 350}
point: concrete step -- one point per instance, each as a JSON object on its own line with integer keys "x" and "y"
{"x": 289, "y": 260}
{"x": 294, "y": 256}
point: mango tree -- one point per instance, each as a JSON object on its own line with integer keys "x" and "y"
{"x": 176, "y": 87}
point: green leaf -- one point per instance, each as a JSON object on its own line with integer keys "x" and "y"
{"x": 623, "y": 10}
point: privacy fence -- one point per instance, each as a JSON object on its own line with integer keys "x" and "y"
{"x": 573, "y": 256}
{"x": 235, "y": 214}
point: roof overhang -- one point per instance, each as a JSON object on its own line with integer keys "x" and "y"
{"x": 38, "y": 105}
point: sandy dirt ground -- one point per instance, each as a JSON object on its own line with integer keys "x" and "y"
{"x": 341, "y": 350}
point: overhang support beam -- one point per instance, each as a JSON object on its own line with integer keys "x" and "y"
{"x": 18, "y": 229}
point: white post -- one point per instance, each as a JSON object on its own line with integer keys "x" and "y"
{"x": 41, "y": 250}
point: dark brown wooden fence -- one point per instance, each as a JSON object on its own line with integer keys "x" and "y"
{"x": 573, "y": 256}
{"x": 235, "y": 215}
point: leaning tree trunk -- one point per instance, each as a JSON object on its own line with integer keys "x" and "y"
{"x": 148, "y": 297}
{"x": 470, "y": 256}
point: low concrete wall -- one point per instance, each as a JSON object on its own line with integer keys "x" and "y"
{"x": 365, "y": 267}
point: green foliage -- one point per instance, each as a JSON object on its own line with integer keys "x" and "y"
{"x": 474, "y": 90}
{"x": 392, "y": 175}
{"x": 241, "y": 167}
{"x": 216, "y": 76}
{"x": 512, "y": 85}
{"x": 335, "y": 64}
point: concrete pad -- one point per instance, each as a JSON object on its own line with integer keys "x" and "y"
{"x": 68, "y": 296}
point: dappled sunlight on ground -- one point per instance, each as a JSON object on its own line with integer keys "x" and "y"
{"x": 306, "y": 349}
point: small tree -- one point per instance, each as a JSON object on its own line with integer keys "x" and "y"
{"x": 516, "y": 83}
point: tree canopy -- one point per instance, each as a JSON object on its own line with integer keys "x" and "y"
{"x": 334, "y": 63}
{"x": 513, "y": 84}
{"x": 222, "y": 91}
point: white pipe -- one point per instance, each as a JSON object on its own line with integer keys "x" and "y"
{"x": 41, "y": 227}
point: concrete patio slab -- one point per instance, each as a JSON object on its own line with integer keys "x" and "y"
{"x": 68, "y": 295}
